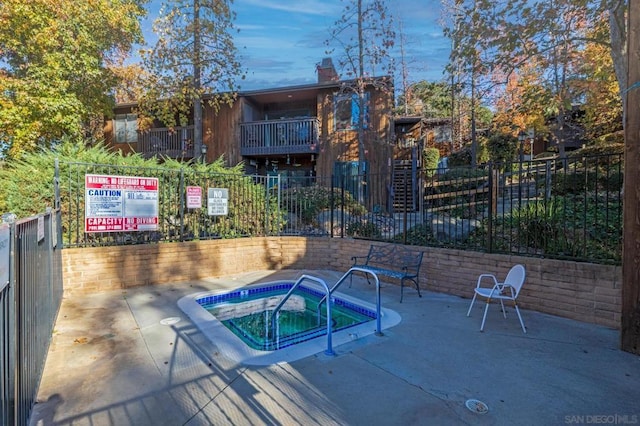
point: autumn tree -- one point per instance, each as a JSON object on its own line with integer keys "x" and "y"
{"x": 551, "y": 33}
{"x": 465, "y": 68}
{"x": 363, "y": 37}
{"x": 428, "y": 98}
{"x": 54, "y": 77}
{"x": 131, "y": 78}
{"x": 193, "y": 61}
{"x": 602, "y": 101}
{"x": 522, "y": 103}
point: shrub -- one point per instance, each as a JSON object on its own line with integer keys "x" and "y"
{"x": 482, "y": 153}
{"x": 600, "y": 149}
{"x": 569, "y": 226}
{"x": 307, "y": 202}
{"x": 460, "y": 158}
{"x": 502, "y": 147}
{"x": 431, "y": 156}
{"x": 26, "y": 188}
{"x": 419, "y": 235}
{"x": 364, "y": 230}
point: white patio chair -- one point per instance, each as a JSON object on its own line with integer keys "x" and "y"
{"x": 507, "y": 290}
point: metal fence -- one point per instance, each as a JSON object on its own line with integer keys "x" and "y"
{"x": 569, "y": 209}
{"x": 30, "y": 297}
{"x": 566, "y": 209}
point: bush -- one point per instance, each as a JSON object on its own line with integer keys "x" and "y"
{"x": 557, "y": 228}
{"x": 502, "y": 147}
{"x": 430, "y": 157}
{"x": 460, "y": 158}
{"x": 598, "y": 149}
{"x": 26, "y": 188}
{"x": 579, "y": 181}
{"x": 307, "y": 202}
{"x": 364, "y": 230}
{"x": 419, "y": 235}
{"x": 615, "y": 138}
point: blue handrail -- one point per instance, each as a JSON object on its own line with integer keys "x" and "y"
{"x": 343, "y": 278}
{"x": 274, "y": 315}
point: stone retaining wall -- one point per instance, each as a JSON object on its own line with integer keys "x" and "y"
{"x": 581, "y": 291}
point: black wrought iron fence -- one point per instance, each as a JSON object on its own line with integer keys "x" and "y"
{"x": 30, "y": 296}
{"x": 568, "y": 208}
{"x": 251, "y": 206}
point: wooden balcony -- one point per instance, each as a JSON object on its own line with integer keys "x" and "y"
{"x": 173, "y": 143}
{"x": 295, "y": 136}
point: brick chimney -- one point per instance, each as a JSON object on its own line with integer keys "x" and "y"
{"x": 326, "y": 71}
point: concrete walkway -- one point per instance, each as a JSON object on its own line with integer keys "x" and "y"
{"x": 112, "y": 362}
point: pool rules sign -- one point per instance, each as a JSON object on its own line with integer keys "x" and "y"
{"x": 218, "y": 201}
{"x": 120, "y": 203}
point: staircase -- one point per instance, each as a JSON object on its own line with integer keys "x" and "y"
{"x": 403, "y": 190}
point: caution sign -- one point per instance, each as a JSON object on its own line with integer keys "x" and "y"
{"x": 120, "y": 203}
{"x": 218, "y": 202}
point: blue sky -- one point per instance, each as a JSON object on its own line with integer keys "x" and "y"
{"x": 281, "y": 41}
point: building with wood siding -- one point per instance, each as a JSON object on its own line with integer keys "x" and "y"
{"x": 298, "y": 131}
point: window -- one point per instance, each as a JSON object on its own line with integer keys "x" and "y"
{"x": 442, "y": 134}
{"x": 347, "y": 111}
{"x": 125, "y": 128}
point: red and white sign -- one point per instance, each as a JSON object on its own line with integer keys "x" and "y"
{"x": 120, "y": 203}
{"x": 194, "y": 197}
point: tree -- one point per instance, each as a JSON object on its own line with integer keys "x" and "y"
{"x": 407, "y": 94}
{"x": 551, "y": 33}
{"x": 54, "y": 75}
{"x": 194, "y": 59}
{"x": 522, "y": 103}
{"x": 364, "y": 34}
{"x": 431, "y": 99}
{"x": 602, "y": 101}
{"x": 130, "y": 78}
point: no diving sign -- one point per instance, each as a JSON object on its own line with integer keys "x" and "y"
{"x": 218, "y": 202}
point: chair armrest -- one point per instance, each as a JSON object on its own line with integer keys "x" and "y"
{"x": 355, "y": 258}
{"x": 497, "y": 289}
{"x": 493, "y": 277}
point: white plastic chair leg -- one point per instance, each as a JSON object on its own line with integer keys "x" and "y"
{"x": 504, "y": 313}
{"x": 471, "y": 306}
{"x": 520, "y": 317}
{"x": 484, "y": 317}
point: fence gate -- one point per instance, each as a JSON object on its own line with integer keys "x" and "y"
{"x": 30, "y": 296}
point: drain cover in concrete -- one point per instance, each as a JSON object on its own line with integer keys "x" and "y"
{"x": 170, "y": 321}
{"x": 476, "y": 406}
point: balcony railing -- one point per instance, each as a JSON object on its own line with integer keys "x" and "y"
{"x": 173, "y": 143}
{"x": 295, "y": 136}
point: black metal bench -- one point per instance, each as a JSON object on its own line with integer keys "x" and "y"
{"x": 394, "y": 261}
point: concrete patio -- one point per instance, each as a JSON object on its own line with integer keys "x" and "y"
{"x": 112, "y": 362}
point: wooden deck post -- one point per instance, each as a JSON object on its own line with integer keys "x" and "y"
{"x": 630, "y": 327}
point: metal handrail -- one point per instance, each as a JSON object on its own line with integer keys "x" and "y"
{"x": 274, "y": 315}
{"x": 343, "y": 278}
